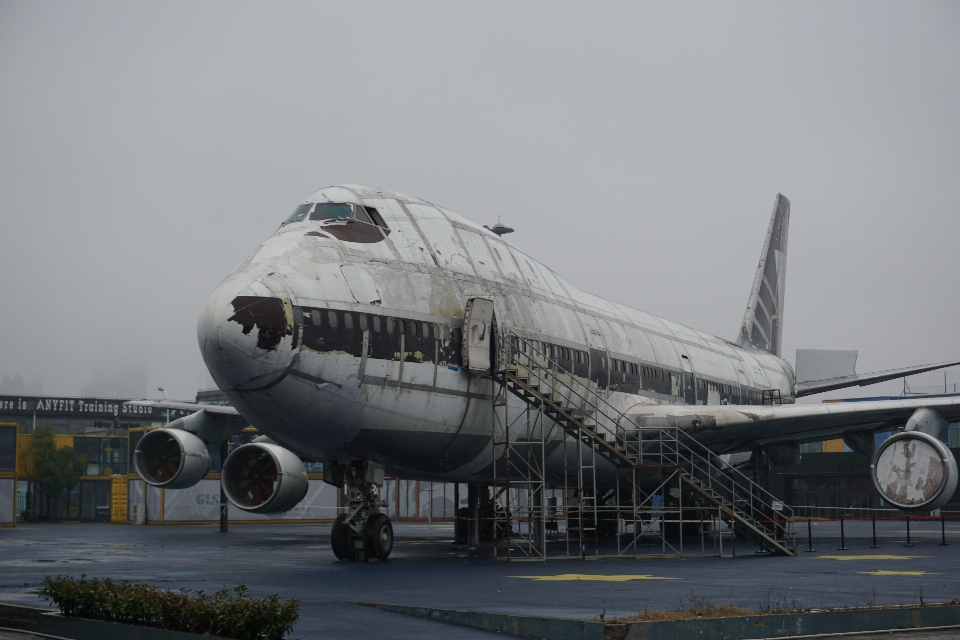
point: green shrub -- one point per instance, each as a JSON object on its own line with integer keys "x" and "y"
{"x": 228, "y": 613}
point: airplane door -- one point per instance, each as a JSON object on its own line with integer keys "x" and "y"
{"x": 597, "y": 367}
{"x": 479, "y": 325}
{"x": 688, "y": 383}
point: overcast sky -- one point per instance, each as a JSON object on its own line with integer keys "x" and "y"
{"x": 147, "y": 148}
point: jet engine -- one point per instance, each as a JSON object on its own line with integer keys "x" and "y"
{"x": 263, "y": 477}
{"x": 784, "y": 455}
{"x": 914, "y": 471}
{"x": 171, "y": 458}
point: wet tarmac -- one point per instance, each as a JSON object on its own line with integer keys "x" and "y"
{"x": 427, "y": 569}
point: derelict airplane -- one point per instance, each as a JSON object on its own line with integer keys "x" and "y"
{"x": 363, "y": 333}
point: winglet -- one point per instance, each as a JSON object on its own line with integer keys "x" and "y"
{"x": 763, "y": 321}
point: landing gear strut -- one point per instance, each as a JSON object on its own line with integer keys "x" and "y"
{"x": 362, "y": 533}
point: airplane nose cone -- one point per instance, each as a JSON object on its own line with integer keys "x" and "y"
{"x": 246, "y": 331}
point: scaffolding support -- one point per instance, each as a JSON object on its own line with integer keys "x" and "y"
{"x": 658, "y": 479}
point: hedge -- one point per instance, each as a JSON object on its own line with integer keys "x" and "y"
{"x": 228, "y": 613}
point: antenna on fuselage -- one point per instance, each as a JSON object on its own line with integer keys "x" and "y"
{"x": 499, "y": 229}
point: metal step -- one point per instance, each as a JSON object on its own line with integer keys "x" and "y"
{"x": 559, "y": 401}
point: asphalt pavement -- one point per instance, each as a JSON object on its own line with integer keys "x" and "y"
{"x": 427, "y": 569}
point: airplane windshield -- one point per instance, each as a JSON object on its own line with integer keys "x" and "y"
{"x": 336, "y": 211}
{"x": 331, "y": 211}
{"x": 300, "y": 212}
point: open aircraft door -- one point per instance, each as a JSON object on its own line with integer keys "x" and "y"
{"x": 480, "y": 325}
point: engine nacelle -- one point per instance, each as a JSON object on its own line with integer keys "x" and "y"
{"x": 263, "y": 477}
{"x": 914, "y": 471}
{"x": 784, "y": 455}
{"x": 171, "y": 458}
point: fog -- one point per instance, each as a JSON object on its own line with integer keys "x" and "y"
{"x": 146, "y": 149}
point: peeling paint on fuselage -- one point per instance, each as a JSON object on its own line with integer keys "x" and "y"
{"x": 415, "y": 409}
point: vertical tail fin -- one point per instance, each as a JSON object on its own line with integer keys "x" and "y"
{"x": 763, "y": 320}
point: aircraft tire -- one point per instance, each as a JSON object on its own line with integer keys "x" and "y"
{"x": 378, "y": 537}
{"x": 340, "y": 540}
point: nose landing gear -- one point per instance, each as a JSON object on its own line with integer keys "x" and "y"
{"x": 362, "y": 533}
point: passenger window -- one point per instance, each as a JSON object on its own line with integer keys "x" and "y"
{"x": 297, "y": 315}
{"x": 315, "y": 318}
{"x": 389, "y": 325}
{"x": 348, "y": 320}
{"x": 332, "y": 318}
{"x": 413, "y": 328}
{"x": 331, "y": 211}
{"x": 363, "y": 322}
{"x": 426, "y": 330}
{"x": 401, "y": 327}
{"x": 376, "y": 323}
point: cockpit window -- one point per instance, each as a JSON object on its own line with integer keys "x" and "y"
{"x": 375, "y": 216}
{"x": 331, "y": 211}
{"x": 337, "y": 211}
{"x": 361, "y": 214}
{"x": 300, "y": 212}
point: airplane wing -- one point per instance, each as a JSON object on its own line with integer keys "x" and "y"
{"x": 186, "y": 406}
{"x": 864, "y": 379}
{"x": 729, "y": 428}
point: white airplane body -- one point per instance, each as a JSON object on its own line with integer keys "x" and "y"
{"x": 342, "y": 339}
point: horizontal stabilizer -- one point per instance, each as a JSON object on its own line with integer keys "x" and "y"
{"x": 823, "y": 364}
{"x": 863, "y": 379}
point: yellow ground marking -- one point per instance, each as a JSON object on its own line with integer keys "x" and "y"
{"x": 878, "y": 556}
{"x": 897, "y": 573}
{"x": 594, "y": 577}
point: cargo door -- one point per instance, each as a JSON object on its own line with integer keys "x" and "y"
{"x": 479, "y": 325}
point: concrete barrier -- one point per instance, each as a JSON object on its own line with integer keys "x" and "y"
{"x": 74, "y": 628}
{"x": 753, "y": 627}
{"x": 525, "y": 626}
{"x": 16, "y": 616}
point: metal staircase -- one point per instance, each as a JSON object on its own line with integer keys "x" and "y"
{"x": 648, "y": 460}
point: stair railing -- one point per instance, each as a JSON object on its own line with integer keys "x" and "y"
{"x": 631, "y": 443}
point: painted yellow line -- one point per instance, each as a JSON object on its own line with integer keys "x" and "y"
{"x": 594, "y": 577}
{"x": 878, "y": 556}
{"x": 897, "y": 573}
